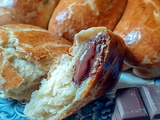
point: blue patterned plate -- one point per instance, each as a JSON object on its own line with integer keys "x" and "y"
{"x": 100, "y": 109}
{"x": 11, "y": 110}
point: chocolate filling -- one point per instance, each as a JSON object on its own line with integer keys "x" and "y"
{"x": 90, "y": 60}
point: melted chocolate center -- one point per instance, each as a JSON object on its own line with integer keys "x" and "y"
{"x": 90, "y": 60}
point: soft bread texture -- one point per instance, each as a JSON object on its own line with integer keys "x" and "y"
{"x": 26, "y": 53}
{"x": 35, "y": 12}
{"x": 72, "y": 16}
{"x": 140, "y": 29}
{"x": 58, "y": 96}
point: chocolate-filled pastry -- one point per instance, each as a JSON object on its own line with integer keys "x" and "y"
{"x": 26, "y": 54}
{"x": 90, "y": 70}
{"x": 72, "y": 16}
{"x": 35, "y": 12}
{"x": 140, "y": 29}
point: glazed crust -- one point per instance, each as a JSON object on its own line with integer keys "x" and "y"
{"x": 29, "y": 43}
{"x": 72, "y": 16}
{"x": 140, "y": 29}
{"x": 115, "y": 57}
{"x": 35, "y": 12}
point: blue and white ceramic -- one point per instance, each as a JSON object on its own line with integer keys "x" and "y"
{"x": 100, "y": 109}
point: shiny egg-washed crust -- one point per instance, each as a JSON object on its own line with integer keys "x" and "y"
{"x": 35, "y": 12}
{"x": 59, "y": 96}
{"x": 27, "y": 43}
{"x": 140, "y": 29}
{"x": 72, "y": 16}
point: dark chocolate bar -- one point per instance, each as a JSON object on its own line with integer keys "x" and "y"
{"x": 130, "y": 105}
{"x": 151, "y": 97}
{"x": 138, "y": 103}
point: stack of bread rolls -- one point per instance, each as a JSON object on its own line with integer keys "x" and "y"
{"x": 48, "y": 46}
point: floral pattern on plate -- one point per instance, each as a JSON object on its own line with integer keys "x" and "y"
{"x": 11, "y": 110}
{"x": 100, "y": 109}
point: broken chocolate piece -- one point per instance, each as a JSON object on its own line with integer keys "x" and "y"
{"x": 134, "y": 104}
{"x": 151, "y": 97}
{"x": 129, "y": 104}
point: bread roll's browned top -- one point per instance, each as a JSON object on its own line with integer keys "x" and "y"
{"x": 71, "y": 16}
{"x": 140, "y": 29}
{"x": 26, "y": 53}
{"x": 35, "y": 12}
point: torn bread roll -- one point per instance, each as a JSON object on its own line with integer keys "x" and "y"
{"x": 140, "y": 29}
{"x": 35, "y": 12}
{"x": 26, "y": 54}
{"x": 89, "y": 71}
{"x": 72, "y": 16}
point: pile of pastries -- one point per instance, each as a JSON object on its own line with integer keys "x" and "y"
{"x": 59, "y": 55}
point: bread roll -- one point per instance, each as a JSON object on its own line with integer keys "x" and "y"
{"x": 90, "y": 70}
{"x": 35, "y": 12}
{"x": 72, "y": 16}
{"x": 140, "y": 29}
{"x": 26, "y": 53}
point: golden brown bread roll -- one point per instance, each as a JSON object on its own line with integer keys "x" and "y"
{"x": 26, "y": 53}
{"x": 35, "y": 12}
{"x": 140, "y": 29}
{"x": 71, "y": 16}
{"x": 89, "y": 71}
